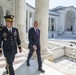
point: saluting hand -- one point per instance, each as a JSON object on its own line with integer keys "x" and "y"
{"x": 20, "y": 50}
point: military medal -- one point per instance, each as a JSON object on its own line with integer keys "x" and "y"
{"x": 15, "y": 33}
{"x": 4, "y": 34}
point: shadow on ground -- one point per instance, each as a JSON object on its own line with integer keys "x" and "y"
{"x": 25, "y": 70}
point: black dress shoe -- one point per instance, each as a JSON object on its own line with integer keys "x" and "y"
{"x": 7, "y": 72}
{"x": 41, "y": 70}
{"x": 28, "y": 64}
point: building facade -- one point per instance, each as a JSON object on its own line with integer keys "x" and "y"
{"x": 5, "y": 9}
{"x": 61, "y": 21}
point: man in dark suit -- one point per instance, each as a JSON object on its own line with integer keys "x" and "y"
{"x": 34, "y": 45}
{"x": 10, "y": 38}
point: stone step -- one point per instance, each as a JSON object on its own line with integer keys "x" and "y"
{"x": 59, "y": 68}
{"x": 19, "y": 60}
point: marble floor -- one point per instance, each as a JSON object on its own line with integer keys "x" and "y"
{"x": 19, "y": 60}
{"x": 66, "y": 62}
{"x": 22, "y": 69}
{"x": 33, "y": 69}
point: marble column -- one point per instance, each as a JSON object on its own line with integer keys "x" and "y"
{"x": 74, "y": 26}
{"x": 33, "y": 17}
{"x": 21, "y": 19}
{"x": 42, "y": 15}
{"x": 14, "y": 11}
{"x": 28, "y": 19}
{"x": 50, "y": 23}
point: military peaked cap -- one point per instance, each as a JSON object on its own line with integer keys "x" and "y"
{"x": 9, "y": 18}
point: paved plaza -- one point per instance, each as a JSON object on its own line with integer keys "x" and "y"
{"x": 66, "y": 62}
{"x": 22, "y": 69}
{"x": 50, "y": 68}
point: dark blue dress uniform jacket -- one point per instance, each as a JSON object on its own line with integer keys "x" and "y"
{"x": 10, "y": 41}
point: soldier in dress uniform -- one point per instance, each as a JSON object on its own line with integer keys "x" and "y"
{"x": 10, "y": 38}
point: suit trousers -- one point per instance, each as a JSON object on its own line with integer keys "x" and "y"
{"x": 38, "y": 56}
{"x": 9, "y": 64}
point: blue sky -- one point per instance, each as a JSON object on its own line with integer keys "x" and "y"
{"x": 55, "y": 3}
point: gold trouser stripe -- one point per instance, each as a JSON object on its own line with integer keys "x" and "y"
{"x": 19, "y": 45}
{"x": 0, "y": 29}
{"x": 0, "y": 48}
{"x": 7, "y": 66}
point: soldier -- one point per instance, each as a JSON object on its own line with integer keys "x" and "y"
{"x": 10, "y": 38}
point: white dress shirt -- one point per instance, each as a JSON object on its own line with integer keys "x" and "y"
{"x": 9, "y": 29}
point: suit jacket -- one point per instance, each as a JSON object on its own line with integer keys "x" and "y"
{"x": 33, "y": 39}
{"x": 10, "y": 41}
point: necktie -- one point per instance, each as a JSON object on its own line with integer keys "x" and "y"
{"x": 10, "y": 30}
{"x": 36, "y": 32}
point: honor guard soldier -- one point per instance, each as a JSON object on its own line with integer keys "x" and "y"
{"x": 10, "y": 38}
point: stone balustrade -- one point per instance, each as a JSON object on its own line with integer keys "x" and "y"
{"x": 61, "y": 50}
{"x": 70, "y": 52}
